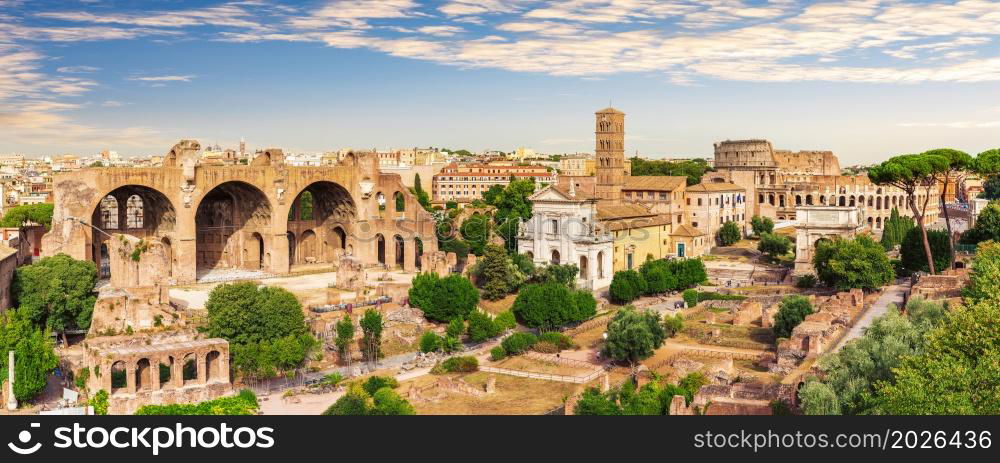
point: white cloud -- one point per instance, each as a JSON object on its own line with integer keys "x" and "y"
{"x": 78, "y": 69}
{"x": 169, "y": 78}
{"x": 441, "y": 31}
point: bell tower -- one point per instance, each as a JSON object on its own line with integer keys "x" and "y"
{"x": 610, "y": 150}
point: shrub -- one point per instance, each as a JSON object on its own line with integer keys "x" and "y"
{"x": 100, "y": 402}
{"x": 455, "y": 328}
{"x": 451, "y": 344}
{"x": 673, "y": 325}
{"x": 626, "y": 286}
{"x": 806, "y": 281}
{"x": 912, "y": 253}
{"x": 761, "y": 225}
{"x": 462, "y": 364}
{"x": 505, "y": 321}
{"x": 497, "y": 353}
{"x": 245, "y": 403}
{"x": 792, "y": 311}
{"x": 443, "y": 299}
{"x": 774, "y": 246}
{"x": 482, "y": 327}
{"x": 729, "y": 234}
{"x": 430, "y": 342}
{"x": 557, "y": 339}
{"x": 374, "y": 383}
{"x": 690, "y": 297}
{"x": 551, "y": 304}
{"x": 518, "y": 343}
{"x": 545, "y": 347}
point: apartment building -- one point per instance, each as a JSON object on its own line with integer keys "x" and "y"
{"x": 464, "y": 182}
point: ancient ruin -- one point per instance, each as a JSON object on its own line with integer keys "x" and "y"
{"x": 266, "y": 216}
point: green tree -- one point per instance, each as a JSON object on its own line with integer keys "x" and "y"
{"x": 626, "y": 286}
{"x": 551, "y": 305}
{"x": 912, "y": 253}
{"x": 386, "y": 402}
{"x": 34, "y": 355}
{"x": 959, "y": 165}
{"x": 761, "y": 225}
{"x": 345, "y": 337}
{"x": 729, "y": 234}
{"x": 496, "y": 274}
{"x": 18, "y": 216}
{"x": 512, "y": 207}
{"x": 693, "y": 169}
{"x": 371, "y": 328}
{"x": 852, "y": 372}
{"x": 264, "y": 326}
{"x": 958, "y": 372}
{"x": 422, "y": 197}
{"x": 818, "y": 398}
{"x": 845, "y": 264}
{"x": 356, "y": 402}
{"x": 482, "y": 327}
{"x": 895, "y": 229}
{"x": 430, "y": 342}
{"x": 443, "y": 299}
{"x": 593, "y": 402}
{"x": 56, "y": 293}
{"x": 242, "y": 313}
{"x": 476, "y": 232}
{"x": 633, "y": 336}
{"x": 792, "y": 311}
{"x": 984, "y": 274}
{"x": 564, "y": 274}
{"x": 910, "y": 173}
{"x": 774, "y": 246}
{"x": 987, "y": 225}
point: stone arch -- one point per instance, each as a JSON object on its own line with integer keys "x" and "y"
{"x": 871, "y": 222}
{"x": 166, "y": 370}
{"x": 878, "y": 222}
{"x": 380, "y": 201}
{"x": 380, "y": 248}
{"x": 399, "y": 248}
{"x": 143, "y": 375}
{"x": 853, "y": 201}
{"x": 306, "y": 249}
{"x": 133, "y": 210}
{"x": 340, "y": 238}
{"x": 418, "y": 247}
{"x": 770, "y": 198}
{"x": 878, "y": 203}
{"x": 798, "y": 200}
{"x": 213, "y": 366}
{"x": 189, "y": 369}
{"x": 555, "y": 256}
{"x": 400, "y": 201}
{"x": 842, "y": 201}
{"x": 584, "y": 269}
{"x": 255, "y": 251}
{"x": 225, "y": 218}
{"x": 292, "y": 245}
{"x": 809, "y": 200}
{"x": 119, "y": 376}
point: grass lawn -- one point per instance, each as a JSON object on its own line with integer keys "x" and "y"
{"x": 514, "y": 396}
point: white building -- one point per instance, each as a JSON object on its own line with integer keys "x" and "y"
{"x": 711, "y": 205}
{"x": 564, "y": 230}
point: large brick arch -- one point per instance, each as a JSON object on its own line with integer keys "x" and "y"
{"x": 184, "y": 185}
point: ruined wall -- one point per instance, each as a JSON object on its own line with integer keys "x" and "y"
{"x": 807, "y": 162}
{"x": 244, "y": 217}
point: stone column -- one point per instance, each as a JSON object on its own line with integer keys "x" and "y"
{"x": 279, "y": 253}
{"x": 154, "y": 375}
{"x": 410, "y": 255}
{"x": 177, "y": 372}
{"x": 130, "y": 371}
{"x": 11, "y": 400}
{"x": 202, "y": 368}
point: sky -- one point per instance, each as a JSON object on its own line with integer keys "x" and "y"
{"x": 867, "y": 79}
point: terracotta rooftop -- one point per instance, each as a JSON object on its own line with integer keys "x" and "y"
{"x": 654, "y": 182}
{"x": 622, "y": 211}
{"x": 686, "y": 230}
{"x": 712, "y": 187}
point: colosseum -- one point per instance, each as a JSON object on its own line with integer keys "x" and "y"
{"x": 777, "y": 181}
{"x": 265, "y": 217}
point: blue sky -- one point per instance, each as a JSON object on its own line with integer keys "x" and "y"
{"x": 865, "y": 78}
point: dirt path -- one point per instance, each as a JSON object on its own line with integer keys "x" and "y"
{"x": 892, "y": 295}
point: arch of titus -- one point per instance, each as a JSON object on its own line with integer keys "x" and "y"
{"x": 264, "y": 216}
